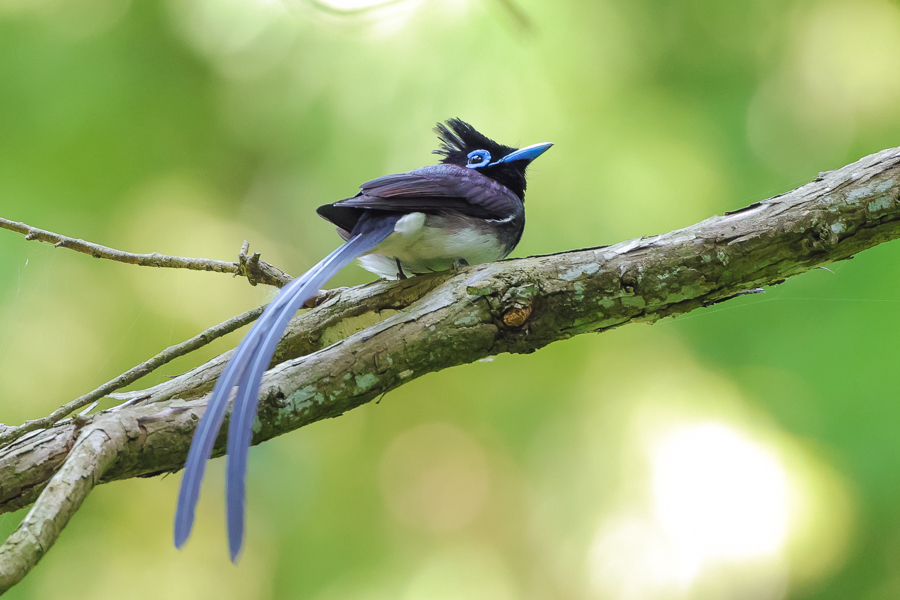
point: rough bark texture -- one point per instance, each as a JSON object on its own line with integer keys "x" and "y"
{"x": 95, "y": 450}
{"x": 368, "y": 340}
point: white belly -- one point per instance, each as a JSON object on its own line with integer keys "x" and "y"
{"x": 427, "y": 243}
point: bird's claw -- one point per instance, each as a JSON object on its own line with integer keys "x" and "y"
{"x": 400, "y": 274}
{"x": 458, "y": 265}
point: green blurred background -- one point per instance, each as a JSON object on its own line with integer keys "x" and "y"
{"x": 750, "y": 450}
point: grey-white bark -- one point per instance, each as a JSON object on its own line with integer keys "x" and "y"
{"x": 365, "y": 341}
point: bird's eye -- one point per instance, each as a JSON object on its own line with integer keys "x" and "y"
{"x": 478, "y": 158}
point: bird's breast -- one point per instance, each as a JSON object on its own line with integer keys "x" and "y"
{"x": 425, "y": 243}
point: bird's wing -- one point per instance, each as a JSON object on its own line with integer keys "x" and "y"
{"x": 439, "y": 187}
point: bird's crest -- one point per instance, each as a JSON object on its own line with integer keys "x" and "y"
{"x": 458, "y": 138}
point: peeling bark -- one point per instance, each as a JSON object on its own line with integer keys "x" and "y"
{"x": 365, "y": 341}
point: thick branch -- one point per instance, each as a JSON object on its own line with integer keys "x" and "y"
{"x": 92, "y": 454}
{"x": 369, "y": 340}
{"x": 255, "y": 270}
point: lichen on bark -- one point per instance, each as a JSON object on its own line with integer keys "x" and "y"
{"x": 365, "y": 341}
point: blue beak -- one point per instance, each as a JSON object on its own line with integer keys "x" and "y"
{"x": 528, "y": 153}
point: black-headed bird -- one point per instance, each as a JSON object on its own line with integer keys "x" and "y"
{"x": 470, "y": 209}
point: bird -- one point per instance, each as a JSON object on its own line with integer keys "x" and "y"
{"x": 468, "y": 209}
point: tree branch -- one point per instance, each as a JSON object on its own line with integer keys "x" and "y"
{"x": 368, "y": 340}
{"x": 255, "y": 270}
{"x": 96, "y": 448}
{"x": 133, "y": 374}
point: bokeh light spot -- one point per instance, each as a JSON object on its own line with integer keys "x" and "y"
{"x": 719, "y": 494}
{"x": 631, "y": 558}
{"x": 848, "y": 55}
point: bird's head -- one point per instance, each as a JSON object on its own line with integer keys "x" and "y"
{"x": 462, "y": 145}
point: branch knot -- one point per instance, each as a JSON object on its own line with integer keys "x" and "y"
{"x": 257, "y": 271}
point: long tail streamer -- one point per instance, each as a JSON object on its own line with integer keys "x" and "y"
{"x": 245, "y": 369}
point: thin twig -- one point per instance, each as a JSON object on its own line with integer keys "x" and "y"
{"x": 443, "y": 320}
{"x": 257, "y": 272}
{"x": 133, "y": 374}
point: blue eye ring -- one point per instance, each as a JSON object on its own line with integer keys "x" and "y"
{"x": 478, "y": 159}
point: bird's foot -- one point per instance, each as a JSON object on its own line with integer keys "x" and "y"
{"x": 458, "y": 265}
{"x": 400, "y": 273}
